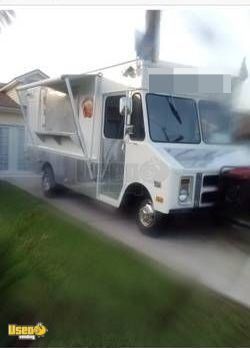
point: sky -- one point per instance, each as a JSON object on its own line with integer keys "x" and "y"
{"x": 60, "y": 40}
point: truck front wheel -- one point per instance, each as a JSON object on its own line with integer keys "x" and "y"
{"x": 48, "y": 182}
{"x": 147, "y": 218}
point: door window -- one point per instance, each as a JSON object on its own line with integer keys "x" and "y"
{"x": 114, "y": 121}
{"x": 137, "y": 118}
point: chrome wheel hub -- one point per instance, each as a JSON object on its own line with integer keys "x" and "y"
{"x": 147, "y": 215}
{"x": 46, "y": 183}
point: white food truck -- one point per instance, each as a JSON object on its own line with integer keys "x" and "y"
{"x": 151, "y": 135}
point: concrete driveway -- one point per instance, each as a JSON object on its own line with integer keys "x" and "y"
{"x": 216, "y": 257}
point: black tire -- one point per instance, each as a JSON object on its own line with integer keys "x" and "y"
{"x": 48, "y": 182}
{"x": 148, "y": 220}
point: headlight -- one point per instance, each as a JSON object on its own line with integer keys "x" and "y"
{"x": 185, "y": 191}
{"x": 183, "y": 195}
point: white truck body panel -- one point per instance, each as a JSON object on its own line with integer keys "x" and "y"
{"x": 84, "y": 159}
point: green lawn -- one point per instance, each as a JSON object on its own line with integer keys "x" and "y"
{"x": 91, "y": 292}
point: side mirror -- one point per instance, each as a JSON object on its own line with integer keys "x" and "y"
{"x": 125, "y": 106}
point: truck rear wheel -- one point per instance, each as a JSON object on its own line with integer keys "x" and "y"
{"x": 48, "y": 182}
{"x": 147, "y": 218}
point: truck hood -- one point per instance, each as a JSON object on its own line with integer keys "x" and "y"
{"x": 210, "y": 159}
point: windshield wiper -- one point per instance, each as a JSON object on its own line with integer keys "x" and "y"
{"x": 174, "y": 110}
{"x": 179, "y": 138}
{"x": 165, "y": 133}
{"x": 163, "y": 129}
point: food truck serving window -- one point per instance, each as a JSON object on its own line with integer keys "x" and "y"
{"x": 172, "y": 119}
{"x": 114, "y": 122}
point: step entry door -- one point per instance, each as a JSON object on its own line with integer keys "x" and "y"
{"x": 112, "y": 149}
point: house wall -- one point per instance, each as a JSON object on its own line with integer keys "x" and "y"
{"x": 12, "y": 93}
{"x": 12, "y": 142}
{"x": 7, "y": 118}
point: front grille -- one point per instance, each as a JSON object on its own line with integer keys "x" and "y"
{"x": 197, "y": 191}
{"x": 209, "y": 197}
{"x": 210, "y": 180}
{"x": 209, "y": 189}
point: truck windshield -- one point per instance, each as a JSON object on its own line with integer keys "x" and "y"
{"x": 172, "y": 119}
{"x": 216, "y": 122}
